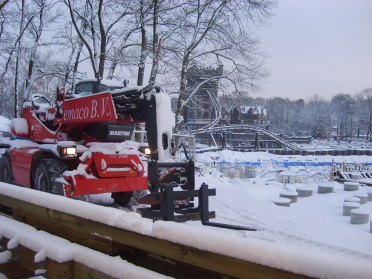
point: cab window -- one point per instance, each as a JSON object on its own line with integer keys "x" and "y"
{"x": 86, "y": 89}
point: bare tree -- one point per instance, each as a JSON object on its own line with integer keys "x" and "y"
{"x": 143, "y": 51}
{"x": 17, "y": 20}
{"x": 215, "y": 31}
{"x": 343, "y": 110}
{"x": 364, "y": 112}
{"x": 101, "y": 19}
{"x": 71, "y": 44}
{"x": 318, "y": 114}
{"x": 45, "y": 14}
{"x": 18, "y": 51}
{"x": 164, "y": 33}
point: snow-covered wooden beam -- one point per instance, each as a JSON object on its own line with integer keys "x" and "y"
{"x": 55, "y": 257}
{"x": 198, "y": 247}
{"x": 52, "y": 221}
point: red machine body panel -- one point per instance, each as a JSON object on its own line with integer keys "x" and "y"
{"x": 105, "y": 173}
{"x": 37, "y": 130}
{"x": 83, "y": 186}
{"x": 118, "y": 165}
{"x": 93, "y": 108}
{"x": 21, "y": 164}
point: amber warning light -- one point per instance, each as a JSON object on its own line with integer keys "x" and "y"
{"x": 67, "y": 151}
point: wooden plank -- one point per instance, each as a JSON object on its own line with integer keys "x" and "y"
{"x": 26, "y": 258}
{"x": 167, "y": 267}
{"x": 14, "y": 270}
{"x": 92, "y": 241}
{"x": 54, "y": 269}
{"x": 211, "y": 261}
{"x": 3, "y": 243}
{"x": 82, "y": 271}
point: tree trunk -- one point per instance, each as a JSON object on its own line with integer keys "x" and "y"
{"x": 76, "y": 65}
{"x": 102, "y": 55}
{"x": 16, "y": 82}
{"x": 182, "y": 97}
{"x": 17, "y": 62}
{"x": 112, "y": 68}
{"x": 155, "y": 45}
{"x": 29, "y": 75}
{"x": 370, "y": 128}
{"x": 142, "y": 60}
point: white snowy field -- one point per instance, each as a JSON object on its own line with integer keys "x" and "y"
{"x": 314, "y": 223}
{"x": 4, "y": 124}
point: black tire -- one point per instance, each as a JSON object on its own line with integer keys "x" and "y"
{"x": 47, "y": 171}
{"x": 6, "y": 173}
{"x": 122, "y": 198}
{"x": 128, "y": 198}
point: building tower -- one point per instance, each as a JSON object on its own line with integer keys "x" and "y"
{"x": 200, "y": 111}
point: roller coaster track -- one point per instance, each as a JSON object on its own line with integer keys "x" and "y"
{"x": 254, "y": 128}
{"x": 210, "y": 128}
{"x": 217, "y": 109}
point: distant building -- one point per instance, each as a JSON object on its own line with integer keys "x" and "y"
{"x": 256, "y": 115}
{"x": 225, "y": 116}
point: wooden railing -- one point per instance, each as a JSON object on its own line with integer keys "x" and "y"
{"x": 162, "y": 256}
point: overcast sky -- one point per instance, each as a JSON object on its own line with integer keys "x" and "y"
{"x": 321, "y": 47}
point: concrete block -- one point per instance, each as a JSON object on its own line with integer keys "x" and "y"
{"x": 325, "y": 189}
{"x": 282, "y": 202}
{"x": 348, "y": 206}
{"x": 359, "y": 216}
{"x": 289, "y": 195}
{"x": 351, "y": 186}
{"x": 304, "y": 192}
{"x": 362, "y": 196}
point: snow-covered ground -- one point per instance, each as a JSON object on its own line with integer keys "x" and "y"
{"x": 314, "y": 223}
{"x": 4, "y": 124}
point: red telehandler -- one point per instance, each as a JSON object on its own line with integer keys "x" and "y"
{"x": 81, "y": 145}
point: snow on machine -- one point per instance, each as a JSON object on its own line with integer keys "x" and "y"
{"x": 81, "y": 145}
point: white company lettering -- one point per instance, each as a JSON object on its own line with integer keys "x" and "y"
{"x": 119, "y": 133}
{"x": 83, "y": 113}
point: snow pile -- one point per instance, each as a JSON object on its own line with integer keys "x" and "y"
{"x": 19, "y": 127}
{"x": 123, "y": 148}
{"x": 81, "y": 170}
{"x": 165, "y": 123}
{"x": 4, "y": 124}
{"x": 5, "y": 256}
{"x": 105, "y": 215}
{"x": 112, "y": 83}
{"x": 61, "y": 250}
{"x": 19, "y": 143}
